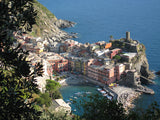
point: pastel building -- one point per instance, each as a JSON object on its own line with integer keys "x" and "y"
{"x": 119, "y": 70}
{"x": 58, "y": 63}
{"x": 93, "y": 69}
{"x": 93, "y": 72}
{"x": 84, "y": 68}
{"x": 108, "y": 45}
{"x": 78, "y": 64}
{"x": 106, "y": 74}
{"x": 114, "y": 52}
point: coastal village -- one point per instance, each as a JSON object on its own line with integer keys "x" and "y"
{"x": 106, "y": 64}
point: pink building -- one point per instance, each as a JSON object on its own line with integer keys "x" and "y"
{"x": 114, "y": 52}
{"x": 107, "y": 75}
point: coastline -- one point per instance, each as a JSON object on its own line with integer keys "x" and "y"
{"x": 122, "y": 94}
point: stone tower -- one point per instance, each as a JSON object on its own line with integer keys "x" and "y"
{"x": 128, "y": 36}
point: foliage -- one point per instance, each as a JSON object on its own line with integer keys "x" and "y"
{"x": 59, "y": 115}
{"x": 52, "y": 86}
{"x": 44, "y": 99}
{"x": 111, "y": 37}
{"x": 17, "y": 83}
{"x": 117, "y": 58}
{"x": 44, "y": 9}
{"x": 57, "y": 95}
{"x": 43, "y": 19}
{"x": 100, "y": 108}
{"x": 151, "y": 113}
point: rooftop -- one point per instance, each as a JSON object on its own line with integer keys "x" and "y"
{"x": 60, "y": 102}
{"x": 129, "y": 54}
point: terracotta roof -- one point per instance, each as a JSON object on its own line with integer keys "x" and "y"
{"x": 98, "y": 63}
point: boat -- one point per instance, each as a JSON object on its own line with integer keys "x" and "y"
{"x": 88, "y": 92}
{"x": 68, "y": 103}
{"x": 102, "y": 91}
{"x": 68, "y": 100}
{"x": 99, "y": 89}
{"x": 105, "y": 95}
{"x": 75, "y": 97}
{"x": 78, "y": 93}
{"x": 109, "y": 97}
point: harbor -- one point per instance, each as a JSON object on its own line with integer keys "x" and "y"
{"x": 75, "y": 87}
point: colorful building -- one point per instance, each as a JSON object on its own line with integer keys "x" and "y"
{"x": 93, "y": 72}
{"x": 114, "y": 52}
{"x": 106, "y": 74}
{"x": 58, "y": 63}
{"x": 119, "y": 70}
{"x": 93, "y": 69}
{"x": 108, "y": 45}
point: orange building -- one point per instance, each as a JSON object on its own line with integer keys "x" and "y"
{"x": 108, "y": 45}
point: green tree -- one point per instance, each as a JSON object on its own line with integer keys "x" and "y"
{"x": 44, "y": 99}
{"x": 17, "y": 82}
{"x": 98, "y": 107}
{"x": 117, "y": 58}
{"x": 151, "y": 113}
{"x": 57, "y": 95}
{"x": 111, "y": 37}
{"x": 52, "y": 86}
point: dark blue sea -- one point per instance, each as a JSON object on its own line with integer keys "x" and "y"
{"x": 98, "y": 19}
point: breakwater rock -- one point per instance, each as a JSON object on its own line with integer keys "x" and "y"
{"x": 144, "y": 90}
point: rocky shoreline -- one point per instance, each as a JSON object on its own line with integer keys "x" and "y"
{"x": 64, "y": 23}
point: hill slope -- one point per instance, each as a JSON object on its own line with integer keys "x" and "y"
{"x": 48, "y": 25}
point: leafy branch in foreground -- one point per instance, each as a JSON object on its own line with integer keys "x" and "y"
{"x": 17, "y": 82}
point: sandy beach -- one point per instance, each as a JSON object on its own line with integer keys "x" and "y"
{"x": 73, "y": 80}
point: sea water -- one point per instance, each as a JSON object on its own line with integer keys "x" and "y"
{"x": 77, "y": 93}
{"x": 98, "y": 19}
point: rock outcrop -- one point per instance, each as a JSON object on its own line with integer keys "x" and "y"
{"x": 64, "y": 23}
{"x": 140, "y": 63}
{"x": 158, "y": 73}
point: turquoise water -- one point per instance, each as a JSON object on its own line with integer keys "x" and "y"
{"x": 77, "y": 93}
{"x": 98, "y": 19}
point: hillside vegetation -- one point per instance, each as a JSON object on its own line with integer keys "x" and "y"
{"x": 48, "y": 26}
{"x": 44, "y": 20}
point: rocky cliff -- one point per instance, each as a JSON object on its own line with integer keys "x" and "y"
{"x": 139, "y": 62}
{"x": 48, "y": 26}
